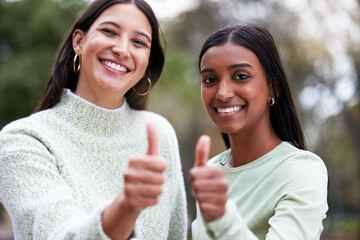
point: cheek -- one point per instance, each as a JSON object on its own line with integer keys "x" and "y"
{"x": 206, "y": 97}
{"x": 89, "y": 56}
{"x": 256, "y": 92}
{"x": 92, "y": 44}
{"x": 142, "y": 60}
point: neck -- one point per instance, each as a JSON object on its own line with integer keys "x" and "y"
{"x": 248, "y": 147}
{"x": 105, "y": 101}
{"x": 100, "y": 97}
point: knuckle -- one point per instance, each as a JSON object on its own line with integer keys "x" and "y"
{"x": 158, "y": 191}
{"x": 220, "y": 172}
{"x": 135, "y": 162}
{"x": 224, "y": 184}
{"x": 223, "y": 211}
{"x": 127, "y": 176}
{"x": 224, "y": 199}
{"x": 128, "y": 190}
{"x": 196, "y": 186}
{"x": 162, "y": 178}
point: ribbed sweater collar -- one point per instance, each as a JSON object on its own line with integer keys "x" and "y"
{"x": 90, "y": 118}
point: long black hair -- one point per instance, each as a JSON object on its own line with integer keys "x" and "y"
{"x": 283, "y": 114}
{"x": 63, "y": 76}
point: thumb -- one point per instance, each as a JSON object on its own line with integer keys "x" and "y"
{"x": 202, "y": 151}
{"x": 153, "y": 139}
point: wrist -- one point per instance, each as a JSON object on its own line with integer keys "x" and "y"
{"x": 118, "y": 219}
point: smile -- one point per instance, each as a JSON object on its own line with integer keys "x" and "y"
{"x": 114, "y": 66}
{"x": 228, "y": 109}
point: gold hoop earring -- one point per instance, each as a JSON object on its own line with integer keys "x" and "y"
{"x": 271, "y": 102}
{"x": 143, "y": 94}
{"x": 77, "y": 69}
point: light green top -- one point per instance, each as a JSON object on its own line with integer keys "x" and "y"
{"x": 281, "y": 195}
{"x": 60, "y": 168}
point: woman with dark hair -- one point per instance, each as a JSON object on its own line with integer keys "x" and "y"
{"x": 90, "y": 163}
{"x": 266, "y": 185}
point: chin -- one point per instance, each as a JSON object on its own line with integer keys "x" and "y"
{"x": 226, "y": 129}
{"x": 226, "y": 126}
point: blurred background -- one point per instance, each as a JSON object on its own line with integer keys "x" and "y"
{"x": 319, "y": 43}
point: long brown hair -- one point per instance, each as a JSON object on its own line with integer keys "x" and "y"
{"x": 283, "y": 114}
{"x": 63, "y": 76}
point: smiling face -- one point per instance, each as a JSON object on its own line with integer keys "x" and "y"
{"x": 234, "y": 89}
{"x": 115, "y": 54}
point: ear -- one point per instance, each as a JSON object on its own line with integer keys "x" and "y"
{"x": 276, "y": 84}
{"x": 77, "y": 41}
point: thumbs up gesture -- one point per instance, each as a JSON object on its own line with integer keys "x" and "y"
{"x": 143, "y": 181}
{"x": 144, "y": 177}
{"x": 209, "y": 183}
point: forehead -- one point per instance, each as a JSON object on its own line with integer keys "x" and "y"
{"x": 125, "y": 15}
{"x": 228, "y": 54}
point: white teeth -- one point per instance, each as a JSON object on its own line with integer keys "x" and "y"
{"x": 228, "y": 110}
{"x": 115, "y": 66}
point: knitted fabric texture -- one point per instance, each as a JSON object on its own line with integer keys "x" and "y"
{"x": 60, "y": 168}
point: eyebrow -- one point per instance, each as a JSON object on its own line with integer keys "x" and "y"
{"x": 244, "y": 65}
{"x": 118, "y": 26}
{"x": 207, "y": 70}
{"x": 143, "y": 34}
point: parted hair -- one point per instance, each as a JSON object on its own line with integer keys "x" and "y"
{"x": 63, "y": 75}
{"x": 283, "y": 115}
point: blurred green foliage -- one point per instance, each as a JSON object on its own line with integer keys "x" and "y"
{"x": 31, "y": 30}
{"x": 30, "y": 33}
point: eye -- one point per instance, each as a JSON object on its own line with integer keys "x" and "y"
{"x": 241, "y": 76}
{"x": 140, "y": 43}
{"x": 108, "y": 31}
{"x": 209, "y": 80}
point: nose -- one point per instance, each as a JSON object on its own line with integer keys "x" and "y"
{"x": 121, "y": 48}
{"x": 225, "y": 90}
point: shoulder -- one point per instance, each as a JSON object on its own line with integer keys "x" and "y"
{"x": 299, "y": 159}
{"x": 30, "y": 123}
{"x": 22, "y": 138}
{"x": 300, "y": 167}
{"x": 25, "y": 131}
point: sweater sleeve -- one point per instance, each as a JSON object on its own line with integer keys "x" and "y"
{"x": 178, "y": 223}
{"x": 302, "y": 205}
{"x": 38, "y": 200}
{"x": 223, "y": 228}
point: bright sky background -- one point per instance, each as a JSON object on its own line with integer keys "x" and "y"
{"x": 168, "y": 9}
{"x": 165, "y": 9}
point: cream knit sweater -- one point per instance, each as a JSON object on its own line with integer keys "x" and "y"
{"x": 61, "y": 167}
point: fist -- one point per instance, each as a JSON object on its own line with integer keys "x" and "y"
{"x": 208, "y": 183}
{"x": 144, "y": 176}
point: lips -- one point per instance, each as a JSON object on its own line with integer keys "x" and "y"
{"x": 114, "y": 66}
{"x": 228, "y": 110}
